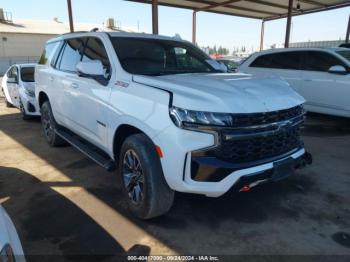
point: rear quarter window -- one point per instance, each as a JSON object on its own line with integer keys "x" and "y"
{"x": 48, "y": 53}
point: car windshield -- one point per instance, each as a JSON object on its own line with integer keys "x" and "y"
{"x": 156, "y": 57}
{"x": 27, "y": 74}
{"x": 345, "y": 54}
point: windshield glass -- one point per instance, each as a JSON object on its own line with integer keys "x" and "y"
{"x": 161, "y": 57}
{"x": 345, "y": 54}
{"x": 27, "y": 74}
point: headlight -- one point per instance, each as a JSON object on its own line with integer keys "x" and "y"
{"x": 6, "y": 254}
{"x": 29, "y": 92}
{"x": 187, "y": 118}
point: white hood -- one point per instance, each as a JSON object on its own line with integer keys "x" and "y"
{"x": 226, "y": 93}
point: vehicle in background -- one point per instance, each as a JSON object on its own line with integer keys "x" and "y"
{"x": 10, "y": 244}
{"x": 345, "y": 45}
{"x": 321, "y": 76}
{"x": 19, "y": 89}
{"x": 230, "y": 64}
{"x": 166, "y": 115}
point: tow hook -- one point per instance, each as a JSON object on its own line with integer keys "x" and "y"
{"x": 248, "y": 187}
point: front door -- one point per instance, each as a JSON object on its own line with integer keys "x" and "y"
{"x": 13, "y": 87}
{"x": 92, "y": 96}
{"x": 326, "y": 92}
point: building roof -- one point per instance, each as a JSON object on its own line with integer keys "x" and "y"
{"x": 53, "y": 27}
{"x": 259, "y": 9}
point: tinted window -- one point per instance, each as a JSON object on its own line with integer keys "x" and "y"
{"x": 160, "y": 57}
{"x": 319, "y": 61}
{"x": 345, "y": 54}
{"x": 283, "y": 60}
{"x": 27, "y": 74}
{"x": 71, "y": 55}
{"x": 261, "y": 61}
{"x": 13, "y": 73}
{"x": 95, "y": 50}
{"x": 48, "y": 52}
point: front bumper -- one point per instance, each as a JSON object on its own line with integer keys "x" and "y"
{"x": 250, "y": 176}
{"x": 30, "y": 104}
{"x": 211, "y": 162}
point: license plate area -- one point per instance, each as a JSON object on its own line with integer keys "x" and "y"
{"x": 283, "y": 169}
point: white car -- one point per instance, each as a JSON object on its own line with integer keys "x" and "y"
{"x": 18, "y": 88}
{"x": 321, "y": 76}
{"x": 160, "y": 110}
{"x": 10, "y": 244}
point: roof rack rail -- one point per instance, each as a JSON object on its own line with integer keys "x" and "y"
{"x": 75, "y": 32}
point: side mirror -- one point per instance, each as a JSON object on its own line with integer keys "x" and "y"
{"x": 90, "y": 69}
{"x": 12, "y": 80}
{"x": 338, "y": 69}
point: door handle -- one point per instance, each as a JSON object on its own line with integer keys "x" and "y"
{"x": 74, "y": 85}
{"x": 308, "y": 80}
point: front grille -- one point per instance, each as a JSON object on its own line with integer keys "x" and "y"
{"x": 258, "y": 137}
{"x": 245, "y": 120}
{"x": 260, "y": 147}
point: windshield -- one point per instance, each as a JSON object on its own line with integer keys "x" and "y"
{"x": 345, "y": 54}
{"x": 161, "y": 57}
{"x": 27, "y": 74}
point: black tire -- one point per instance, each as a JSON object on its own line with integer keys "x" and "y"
{"x": 49, "y": 126}
{"x": 157, "y": 197}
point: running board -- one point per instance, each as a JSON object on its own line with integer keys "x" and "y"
{"x": 96, "y": 154}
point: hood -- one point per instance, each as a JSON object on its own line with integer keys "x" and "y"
{"x": 226, "y": 93}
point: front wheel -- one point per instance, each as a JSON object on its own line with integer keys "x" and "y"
{"x": 49, "y": 126}
{"x": 145, "y": 189}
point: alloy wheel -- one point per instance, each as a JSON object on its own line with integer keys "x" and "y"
{"x": 133, "y": 177}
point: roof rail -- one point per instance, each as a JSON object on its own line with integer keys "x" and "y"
{"x": 75, "y": 32}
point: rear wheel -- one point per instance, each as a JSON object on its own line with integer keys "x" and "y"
{"x": 49, "y": 126}
{"x": 144, "y": 186}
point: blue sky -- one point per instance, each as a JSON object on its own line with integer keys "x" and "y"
{"x": 211, "y": 28}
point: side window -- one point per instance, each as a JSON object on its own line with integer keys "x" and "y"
{"x": 47, "y": 54}
{"x": 9, "y": 73}
{"x": 70, "y": 55}
{"x": 286, "y": 60}
{"x": 13, "y": 73}
{"x": 319, "y": 61}
{"x": 283, "y": 60}
{"x": 262, "y": 61}
{"x": 95, "y": 50}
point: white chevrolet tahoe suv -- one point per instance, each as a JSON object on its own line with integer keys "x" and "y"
{"x": 161, "y": 112}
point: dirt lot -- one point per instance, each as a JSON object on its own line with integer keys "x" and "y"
{"x": 64, "y": 204}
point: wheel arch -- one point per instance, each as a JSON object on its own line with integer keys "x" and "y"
{"x": 42, "y": 98}
{"x": 122, "y": 133}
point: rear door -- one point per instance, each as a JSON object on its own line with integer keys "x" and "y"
{"x": 65, "y": 82}
{"x": 325, "y": 92}
{"x": 282, "y": 64}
